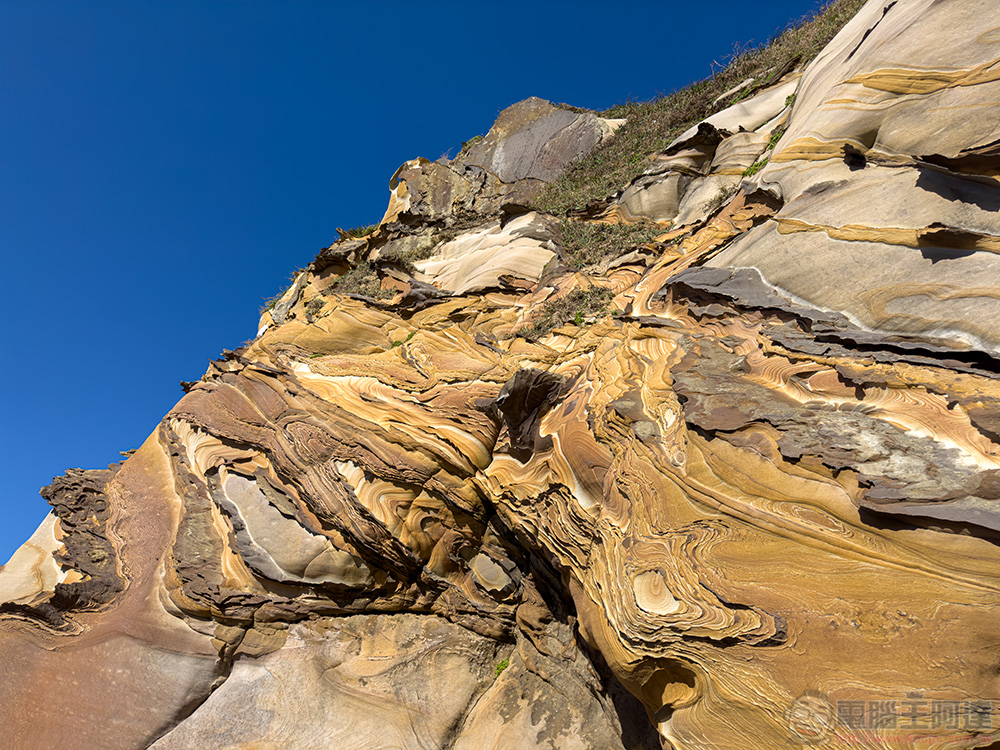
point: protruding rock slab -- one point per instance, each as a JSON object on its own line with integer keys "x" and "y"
{"x": 513, "y": 253}
{"x": 751, "y": 477}
{"x": 891, "y": 216}
{"x": 100, "y": 659}
{"x": 535, "y": 140}
{"x": 531, "y": 143}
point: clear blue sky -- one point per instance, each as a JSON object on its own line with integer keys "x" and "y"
{"x": 164, "y": 166}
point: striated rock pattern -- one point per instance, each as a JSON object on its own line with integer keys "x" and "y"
{"x": 751, "y": 502}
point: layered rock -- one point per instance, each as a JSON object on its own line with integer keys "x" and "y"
{"x": 531, "y": 143}
{"x": 875, "y": 177}
{"x": 749, "y": 502}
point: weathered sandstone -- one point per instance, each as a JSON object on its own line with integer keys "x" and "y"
{"x": 749, "y": 500}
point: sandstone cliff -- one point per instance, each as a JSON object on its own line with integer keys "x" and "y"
{"x": 711, "y": 461}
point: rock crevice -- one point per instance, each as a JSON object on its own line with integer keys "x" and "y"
{"x": 732, "y": 485}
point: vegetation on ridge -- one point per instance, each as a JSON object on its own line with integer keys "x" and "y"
{"x": 356, "y": 233}
{"x": 652, "y": 125}
{"x": 406, "y": 258}
{"x": 270, "y": 302}
{"x": 575, "y": 307}
{"x": 362, "y": 279}
{"x": 592, "y": 243}
{"x": 649, "y": 129}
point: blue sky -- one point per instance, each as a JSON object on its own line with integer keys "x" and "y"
{"x": 164, "y": 167}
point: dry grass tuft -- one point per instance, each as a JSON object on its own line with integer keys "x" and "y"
{"x": 653, "y": 125}
{"x": 575, "y": 307}
{"x": 590, "y": 243}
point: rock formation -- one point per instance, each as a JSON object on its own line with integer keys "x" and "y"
{"x": 742, "y": 494}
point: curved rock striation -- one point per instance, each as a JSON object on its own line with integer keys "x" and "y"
{"x": 889, "y": 168}
{"x": 739, "y": 490}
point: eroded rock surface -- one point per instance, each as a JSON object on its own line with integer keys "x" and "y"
{"x": 878, "y": 180}
{"x": 750, "y": 502}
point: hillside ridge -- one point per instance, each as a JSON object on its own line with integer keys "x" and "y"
{"x": 601, "y": 438}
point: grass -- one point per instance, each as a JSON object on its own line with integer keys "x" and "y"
{"x": 466, "y": 145}
{"x": 755, "y": 167}
{"x": 362, "y": 279}
{"x": 357, "y": 232}
{"x": 652, "y": 125}
{"x": 270, "y": 302}
{"x": 406, "y": 258}
{"x": 574, "y": 307}
{"x": 314, "y": 305}
{"x": 591, "y": 243}
{"x": 500, "y": 667}
{"x": 400, "y": 343}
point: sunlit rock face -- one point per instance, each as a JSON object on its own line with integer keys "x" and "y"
{"x": 888, "y": 170}
{"x": 531, "y": 143}
{"x": 752, "y": 503}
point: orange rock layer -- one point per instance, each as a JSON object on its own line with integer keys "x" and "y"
{"x": 720, "y": 512}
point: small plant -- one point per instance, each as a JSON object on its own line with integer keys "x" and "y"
{"x": 466, "y": 145}
{"x": 270, "y": 302}
{"x": 400, "y": 343}
{"x": 500, "y": 667}
{"x": 406, "y": 258}
{"x": 775, "y": 137}
{"x": 755, "y": 167}
{"x": 789, "y": 100}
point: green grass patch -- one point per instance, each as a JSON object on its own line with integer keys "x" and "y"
{"x": 466, "y": 145}
{"x": 500, "y": 667}
{"x": 574, "y": 307}
{"x": 357, "y": 232}
{"x": 591, "y": 243}
{"x": 652, "y": 125}
{"x": 400, "y": 343}
{"x": 362, "y": 279}
{"x": 755, "y": 167}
